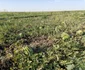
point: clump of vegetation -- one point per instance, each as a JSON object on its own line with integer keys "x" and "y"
{"x": 42, "y": 41}
{"x": 65, "y": 36}
{"x": 79, "y": 32}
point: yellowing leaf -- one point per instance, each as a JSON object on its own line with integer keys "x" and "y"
{"x": 79, "y": 32}
{"x": 65, "y": 36}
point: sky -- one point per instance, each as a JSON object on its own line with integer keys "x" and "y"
{"x": 41, "y": 5}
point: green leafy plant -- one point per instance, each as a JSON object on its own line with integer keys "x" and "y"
{"x": 42, "y": 41}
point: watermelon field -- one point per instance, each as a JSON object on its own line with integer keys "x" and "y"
{"x": 42, "y": 40}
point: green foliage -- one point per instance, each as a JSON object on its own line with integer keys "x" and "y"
{"x": 57, "y": 39}
{"x": 22, "y": 55}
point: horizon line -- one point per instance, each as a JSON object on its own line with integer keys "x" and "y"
{"x": 43, "y": 11}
